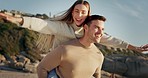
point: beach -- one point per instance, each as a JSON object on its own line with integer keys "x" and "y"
{"x": 15, "y": 74}
{"x": 7, "y": 72}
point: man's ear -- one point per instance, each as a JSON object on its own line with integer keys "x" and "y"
{"x": 85, "y": 27}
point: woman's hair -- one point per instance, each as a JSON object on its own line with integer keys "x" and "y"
{"x": 67, "y": 16}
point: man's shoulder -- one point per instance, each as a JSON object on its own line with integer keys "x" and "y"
{"x": 71, "y": 45}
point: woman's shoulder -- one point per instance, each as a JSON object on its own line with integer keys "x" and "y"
{"x": 56, "y": 22}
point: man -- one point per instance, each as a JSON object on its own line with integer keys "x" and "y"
{"x": 78, "y": 58}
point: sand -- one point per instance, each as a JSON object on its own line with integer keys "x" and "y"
{"x": 15, "y": 74}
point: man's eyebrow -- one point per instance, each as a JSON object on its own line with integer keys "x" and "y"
{"x": 99, "y": 27}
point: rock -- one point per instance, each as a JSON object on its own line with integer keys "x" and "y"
{"x": 31, "y": 67}
{"x": 22, "y": 59}
{"x": 2, "y": 58}
{"x": 129, "y": 66}
{"x": 105, "y": 74}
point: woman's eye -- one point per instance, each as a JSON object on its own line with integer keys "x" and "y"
{"x": 77, "y": 11}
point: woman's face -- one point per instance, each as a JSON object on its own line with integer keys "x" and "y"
{"x": 79, "y": 14}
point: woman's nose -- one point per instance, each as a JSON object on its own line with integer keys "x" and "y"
{"x": 79, "y": 14}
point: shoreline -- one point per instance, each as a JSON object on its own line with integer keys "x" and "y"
{"x": 16, "y": 74}
{"x": 7, "y": 72}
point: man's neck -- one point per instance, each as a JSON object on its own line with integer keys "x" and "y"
{"x": 85, "y": 42}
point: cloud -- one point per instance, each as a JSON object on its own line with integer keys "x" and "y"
{"x": 130, "y": 8}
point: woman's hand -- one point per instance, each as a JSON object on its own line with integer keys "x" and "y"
{"x": 138, "y": 49}
{"x": 3, "y": 16}
{"x": 144, "y": 47}
{"x": 16, "y": 20}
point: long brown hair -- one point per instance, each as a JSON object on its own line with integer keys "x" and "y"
{"x": 67, "y": 16}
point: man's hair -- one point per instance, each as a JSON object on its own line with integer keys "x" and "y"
{"x": 93, "y": 17}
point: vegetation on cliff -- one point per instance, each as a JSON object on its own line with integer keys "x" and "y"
{"x": 14, "y": 40}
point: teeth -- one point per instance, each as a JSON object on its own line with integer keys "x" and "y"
{"x": 98, "y": 36}
{"x": 78, "y": 19}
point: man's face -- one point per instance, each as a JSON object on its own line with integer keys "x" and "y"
{"x": 96, "y": 30}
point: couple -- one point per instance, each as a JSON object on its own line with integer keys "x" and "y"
{"x": 68, "y": 26}
{"x": 78, "y": 58}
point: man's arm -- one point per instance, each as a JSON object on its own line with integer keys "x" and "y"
{"x": 49, "y": 62}
{"x": 97, "y": 74}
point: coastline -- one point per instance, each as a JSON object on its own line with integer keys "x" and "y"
{"x": 7, "y": 72}
{"x": 15, "y": 74}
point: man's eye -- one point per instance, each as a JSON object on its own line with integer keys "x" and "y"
{"x": 84, "y": 12}
{"x": 96, "y": 27}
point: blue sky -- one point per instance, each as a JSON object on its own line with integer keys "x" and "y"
{"x": 126, "y": 19}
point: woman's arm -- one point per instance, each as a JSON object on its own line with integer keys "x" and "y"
{"x": 36, "y": 24}
{"x": 32, "y": 23}
{"x": 117, "y": 43}
{"x": 16, "y": 20}
{"x": 113, "y": 42}
{"x": 138, "y": 49}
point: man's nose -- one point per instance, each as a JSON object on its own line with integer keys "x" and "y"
{"x": 100, "y": 32}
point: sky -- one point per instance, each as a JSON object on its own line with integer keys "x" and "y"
{"x": 126, "y": 19}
